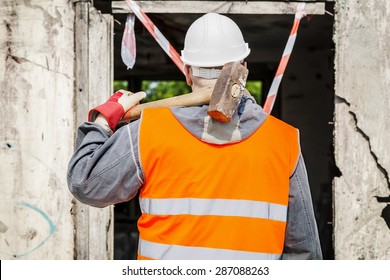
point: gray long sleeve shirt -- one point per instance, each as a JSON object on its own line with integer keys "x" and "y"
{"x": 105, "y": 169}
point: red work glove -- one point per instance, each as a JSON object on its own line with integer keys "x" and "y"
{"x": 115, "y": 107}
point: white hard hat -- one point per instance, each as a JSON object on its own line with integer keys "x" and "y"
{"x": 213, "y": 40}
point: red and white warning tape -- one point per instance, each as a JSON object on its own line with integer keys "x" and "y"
{"x": 157, "y": 35}
{"x": 173, "y": 54}
{"x": 270, "y": 101}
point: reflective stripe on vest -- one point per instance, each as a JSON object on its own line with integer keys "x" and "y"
{"x": 217, "y": 207}
{"x": 174, "y": 252}
{"x": 213, "y": 201}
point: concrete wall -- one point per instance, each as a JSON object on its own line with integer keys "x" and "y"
{"x": 362, "y": 129}
{"x": 36, "y": 113}
{"x": 40, "y": 110}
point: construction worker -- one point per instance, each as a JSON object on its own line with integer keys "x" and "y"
{"x": 208, "y": 190}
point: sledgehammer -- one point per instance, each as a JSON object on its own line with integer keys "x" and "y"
{"x": 223, "y": 99}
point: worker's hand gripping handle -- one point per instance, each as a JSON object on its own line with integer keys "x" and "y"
{"x": 115, "y": 107}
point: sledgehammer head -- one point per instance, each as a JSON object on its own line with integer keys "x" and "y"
{"x": 227, "y": 92}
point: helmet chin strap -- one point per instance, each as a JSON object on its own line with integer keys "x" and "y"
{"x": 206, "y": 73}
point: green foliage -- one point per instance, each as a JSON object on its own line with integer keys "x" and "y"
{"x": 256, "y": 89}
{"x": 156, "y": 90}
{"x": 120, "y": 85}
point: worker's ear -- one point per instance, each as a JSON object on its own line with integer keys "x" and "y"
{"x": 187, "y": 72}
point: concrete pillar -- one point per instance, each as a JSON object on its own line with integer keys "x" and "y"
{"x": 362, "y": 129}
{"x": 36, "y": 114}
{"x": 42, "y": 102}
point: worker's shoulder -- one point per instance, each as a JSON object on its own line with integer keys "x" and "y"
{"x": 281, "y": 124}
{"x": 155, "y": 109}
{"x": 154, "y": 112}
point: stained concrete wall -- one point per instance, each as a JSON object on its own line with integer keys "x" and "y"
{"x": 36, "y": 113}
{"x": 40, "y": 110}
{"x": 362, "y": 129}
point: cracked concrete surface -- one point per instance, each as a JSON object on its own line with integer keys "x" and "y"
{"x": 37, "y": 84}
{"x": 362, "y": 130}
{"x": 367, "y": 138}
{"x": 36, "y": 76}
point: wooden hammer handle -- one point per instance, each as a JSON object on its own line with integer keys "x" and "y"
{"x": 196, "y": 98}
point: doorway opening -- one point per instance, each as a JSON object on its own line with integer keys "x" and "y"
{"x": 305, "y": 97}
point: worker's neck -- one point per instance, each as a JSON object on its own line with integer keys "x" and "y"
{"x": 200, "y": 84}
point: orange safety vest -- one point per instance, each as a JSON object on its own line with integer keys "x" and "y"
{"x": 207, "y": 201}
